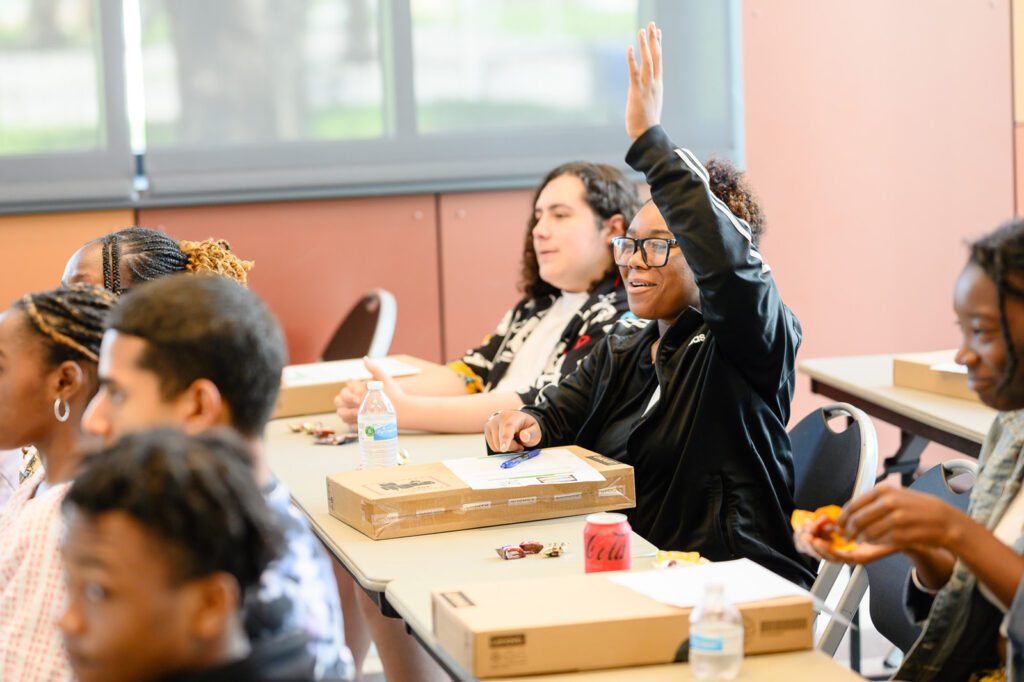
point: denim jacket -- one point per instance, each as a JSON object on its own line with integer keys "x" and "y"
{"x": 1001, "y": 469}
{"x": 1015, "y": 631}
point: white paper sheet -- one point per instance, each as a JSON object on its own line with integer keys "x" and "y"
{"x": 950, "y": 367}
{"x": 742, "y": 579}
{"x": 550, "y": 466}
{"x": 342, "y": 370}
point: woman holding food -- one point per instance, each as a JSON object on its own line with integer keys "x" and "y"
{"x": 968, "y": 568}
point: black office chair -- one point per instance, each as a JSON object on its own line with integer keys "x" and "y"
{"x": 830, "y": 467}
{"x": 366, "y": 330}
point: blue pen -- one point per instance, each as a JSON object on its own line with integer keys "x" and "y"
{"x": 518, "y": 459}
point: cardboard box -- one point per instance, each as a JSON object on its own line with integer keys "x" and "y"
{"x": 918, "y": 370}
{"x": 428, "y": 498}
{"x": 310, "y": 388}
{"x": 587, "y": 622}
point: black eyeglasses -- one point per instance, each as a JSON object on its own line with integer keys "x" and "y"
{"x": 654, "y": 250}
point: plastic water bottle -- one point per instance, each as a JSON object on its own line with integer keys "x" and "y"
{"x": 378, "y": 429}
{"x": 716, "y": 637}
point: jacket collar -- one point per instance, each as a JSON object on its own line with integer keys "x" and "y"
{"x": 677, "y": 335}
{"x": 680, "y": 331}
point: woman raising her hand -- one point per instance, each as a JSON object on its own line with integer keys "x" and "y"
{"x": 697, "y": 403}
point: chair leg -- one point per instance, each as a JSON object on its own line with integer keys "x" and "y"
{"x": 855, "y": 643}
{"x": 906, "y": 459}
{"x": 849, "y": 602}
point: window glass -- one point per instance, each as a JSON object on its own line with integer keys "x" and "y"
{"x": 50, "y": 87}
{"x": 238, "y": 72}
{"x": 514, "y": 64}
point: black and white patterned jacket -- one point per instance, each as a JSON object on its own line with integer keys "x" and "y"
{"x": 606, "y": 308}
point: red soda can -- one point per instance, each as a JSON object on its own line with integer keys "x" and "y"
{"x": 606, "y": 542}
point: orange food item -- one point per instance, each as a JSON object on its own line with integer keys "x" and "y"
{"x": 824, "y": 521}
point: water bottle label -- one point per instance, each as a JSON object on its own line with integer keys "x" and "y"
{"x": 386, "y": 431}
{"x": 704, "y": 643}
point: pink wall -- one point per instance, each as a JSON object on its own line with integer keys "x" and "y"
{"x": 315, "y": 259}
{"x": 880, "y": 137}
{"x": 34, "y": 248}
{"x": 481, "y": 249}
{"x": 1018, "y": 136}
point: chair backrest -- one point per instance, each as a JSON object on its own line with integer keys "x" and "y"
{"x": 366, "y": 330}
{"x": 887, "y": 578}
{"x": 831, "y": 467}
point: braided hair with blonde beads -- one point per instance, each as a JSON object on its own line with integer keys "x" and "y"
{"x": 147, "y": 254}
{"x": 69, "y": 319}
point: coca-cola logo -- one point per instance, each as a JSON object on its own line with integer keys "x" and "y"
{"x": 608, "y": 546}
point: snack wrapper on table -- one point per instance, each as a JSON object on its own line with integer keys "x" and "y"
{"x": 672, "y": 559}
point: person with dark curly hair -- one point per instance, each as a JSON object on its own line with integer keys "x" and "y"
{"x": 49, "y": 346}
{"x": 167, "y": 537}
{"x": 573, "y": 297}
{"x": 697, "y": 403}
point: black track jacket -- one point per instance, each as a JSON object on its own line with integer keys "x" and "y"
{"x": 712, "y": 459}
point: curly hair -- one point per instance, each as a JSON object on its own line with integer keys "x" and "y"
{"x": 196, "y": 494}
{"x": 730, "y": 185}
{"x": 149, "y": 254}
{"x": 70, "y": 320}
{"x": 607, "y": 191}
{"x": 1000, "y": 254}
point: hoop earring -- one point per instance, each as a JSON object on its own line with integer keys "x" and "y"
{"x": 61, "y": 413}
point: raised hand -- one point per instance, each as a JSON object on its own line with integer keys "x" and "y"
{"x": 511, "y": 431}
{"x": 643, "y": 103}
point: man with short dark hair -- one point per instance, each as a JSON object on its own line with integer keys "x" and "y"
{"x": 166, "y": 535}
{"x": 196, "y": 352}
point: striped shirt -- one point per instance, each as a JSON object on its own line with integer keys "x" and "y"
{"x": 32, "y": 589}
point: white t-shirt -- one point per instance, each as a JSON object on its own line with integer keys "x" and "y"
{"x": 535, "y": 353}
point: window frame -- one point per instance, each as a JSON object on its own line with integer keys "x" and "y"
{"x": 71, "y": 180}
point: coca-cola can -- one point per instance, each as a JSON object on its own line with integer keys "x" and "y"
{"x": 606, "y": 542}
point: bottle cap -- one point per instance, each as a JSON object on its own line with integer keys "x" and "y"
{"x": 374, "y": 385}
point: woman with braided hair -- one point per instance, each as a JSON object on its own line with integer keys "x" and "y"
{"x": 127, "y": 257}
{"x": 968, "y": 578}
{"x": 49, "y": 346}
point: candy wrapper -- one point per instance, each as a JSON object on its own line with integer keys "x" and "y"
{"x": 554, "y": 550}
{"x": 511, "y": 552}
{"x": 334, "y": 439}
{"x": 666, "y": 559}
